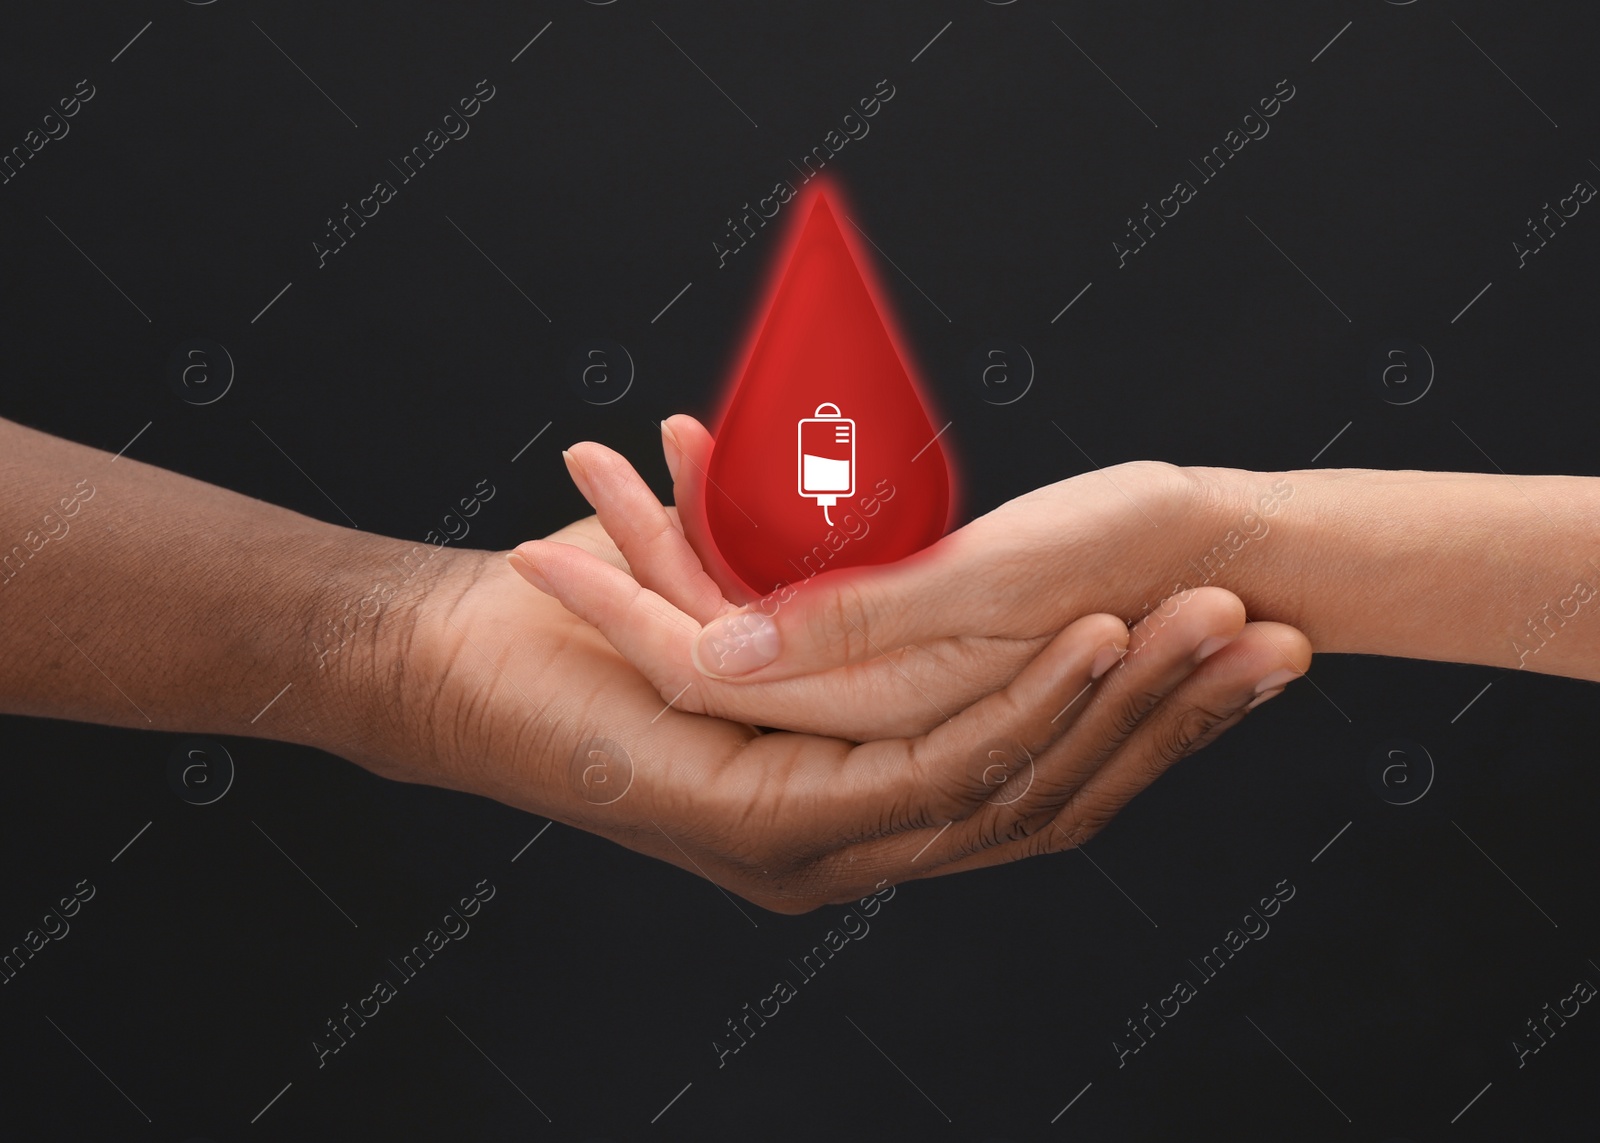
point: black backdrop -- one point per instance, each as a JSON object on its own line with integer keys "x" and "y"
{"x": 1379, "y": 214}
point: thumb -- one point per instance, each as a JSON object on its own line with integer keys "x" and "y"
{"x": 843, "y": 617}
{"x": 687, "y": 447}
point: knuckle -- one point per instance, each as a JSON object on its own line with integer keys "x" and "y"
{"x": 1182, "y": 736}
{"x": 841, "y": 619}
{"x": 1087, "y": 817}
{"x": 1133, "y": 710}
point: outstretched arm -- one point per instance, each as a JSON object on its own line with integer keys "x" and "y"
{"x": 1461, "y": 567}
{"x": 134, "y": 596}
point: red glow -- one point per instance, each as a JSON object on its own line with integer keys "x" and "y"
{"x": 823, "y": 340}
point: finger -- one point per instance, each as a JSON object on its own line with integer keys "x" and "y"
{"x": 1257, "y": 665}
{"x": 1164, "y": 650}
{"x": 687, "y": 446}
{"x": 656, "y": 551}
{"x": 948, "y": 773}
{"x": 645, "y": 629}
{"x": 856, "y": 614}
{"x": 1216, "y": 697}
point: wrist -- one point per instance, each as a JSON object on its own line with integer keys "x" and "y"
{"x": 1247, "y": 532}
{"x": 369, "y": 649}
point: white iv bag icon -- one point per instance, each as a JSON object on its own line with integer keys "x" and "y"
{"x": 827, "y": 457}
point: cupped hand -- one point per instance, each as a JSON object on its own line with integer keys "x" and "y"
{"x": 1116, "y": 540}
{"x": 871, "y": 651}
{"x": 517, "y": 698}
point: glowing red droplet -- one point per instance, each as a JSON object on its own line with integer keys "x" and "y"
{"x": 825, "y": 424}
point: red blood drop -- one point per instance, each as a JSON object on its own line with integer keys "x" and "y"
{"x": 825, "y": 423}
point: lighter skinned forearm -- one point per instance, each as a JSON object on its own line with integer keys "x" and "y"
{"x": 1461, "y": 567}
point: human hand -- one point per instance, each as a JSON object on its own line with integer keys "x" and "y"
{"x": 927, "y": 663}
{"x": 1117, "y": 540}
{"x": 507, "y": 694}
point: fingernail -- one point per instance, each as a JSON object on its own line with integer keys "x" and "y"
{"x": 1263, "y": 697}
{"x": 736, "y": 645}
{"x": 670, "y": 449}
{"x": 1104, "y": 661}
{"x": 527, "y": 571}
{"x": 579, "y": 477}
{"x": 1210, "y": 646}
{"x": 1276, "y": 681}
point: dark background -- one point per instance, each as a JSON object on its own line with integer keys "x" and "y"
{"x": 1389, "y": 989}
